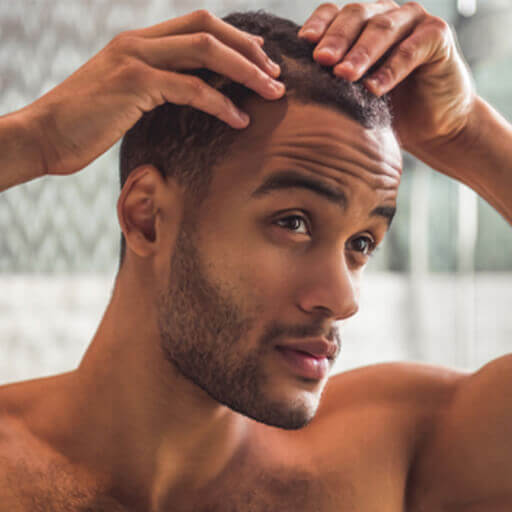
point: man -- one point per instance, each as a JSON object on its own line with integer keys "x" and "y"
{"x": 201, "y": 388}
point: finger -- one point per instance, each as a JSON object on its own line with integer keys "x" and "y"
{"x": 345, "y": 29}
{"x": 190, "y": 90}
{"x": 204, "y": 21}
{"x": 426, "y": 44}
{"x": 380, "y": 34}
{"x": 203, "y": 50}
{"x": 316, "y": 25}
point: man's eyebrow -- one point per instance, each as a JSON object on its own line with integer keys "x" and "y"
{"x": 292, "y": 179}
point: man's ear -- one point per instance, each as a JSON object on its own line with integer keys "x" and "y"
{"x": 145, "y": 201}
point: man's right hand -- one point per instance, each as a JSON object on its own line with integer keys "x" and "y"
{"x": 138, "y": 70}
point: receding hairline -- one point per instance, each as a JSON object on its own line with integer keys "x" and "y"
{"x": 251, "y": 135}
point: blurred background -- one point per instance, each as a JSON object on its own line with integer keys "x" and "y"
{"x": 439, "y": 291}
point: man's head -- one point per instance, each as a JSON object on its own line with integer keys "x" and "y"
{"x": 185, "y": 143}
{"x": 240, "y": 277}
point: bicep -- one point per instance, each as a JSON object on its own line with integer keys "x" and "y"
{"x": 467, "y": 457}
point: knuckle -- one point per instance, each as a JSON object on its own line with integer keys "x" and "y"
{"x": 196, "y": 88}
{"x": 390, "y": 73}
{"x": 328, "y": 6}
{"x": 361, "y": 52}
{"x": 441, "y": 29}
{"x": 122, "y": 34}
{"x": 115, "y": 42}
{"x": 204, "y": 17}
{"x": 334, "y": 36}
{"x": 253, "y": 45}
{"x": 439, "y": 24}
{"x": 134, "y": 72}
{"x": 415, "y": 7}
{"x": 204, "y": 41}
{"x": 408, "y": 50}
{"x": 355, "y": 10}
{"x": 124, "y": 43}
{"x": 383, "y": 22}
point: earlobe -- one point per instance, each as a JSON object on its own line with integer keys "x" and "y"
{"x": 137, "y": 209}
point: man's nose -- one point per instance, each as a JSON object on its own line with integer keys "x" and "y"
{"x": 332, "y": 287}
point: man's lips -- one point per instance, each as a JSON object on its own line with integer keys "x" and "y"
{"x": 318, "y": 348}
{"x": 308, "y": 359}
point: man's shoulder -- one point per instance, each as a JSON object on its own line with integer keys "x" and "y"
{"x": 376, "y": 417}
{"x": 418, "y": 388}
{"x": 398, "y": 404}
{"x": 467, "y": 458}
{"x": 33, "y": 476}
{"x": 31, "y": 471}
{"x": 14, "y": 474}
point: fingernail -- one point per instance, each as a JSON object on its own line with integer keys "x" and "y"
{"x": 325, "y": 52}
{"x": 273, "y": 66}
{"x": 242, "y": 116}
{"x": 343, "y": 68}
{"x": 277, "y": 86}
{"x": 308, "y": 31}
{"x": 373, "y": 83}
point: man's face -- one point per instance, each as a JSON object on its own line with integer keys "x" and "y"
{"x": 260, "y": 269}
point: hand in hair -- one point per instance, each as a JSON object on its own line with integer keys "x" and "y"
{"x": 414, "y": 57}
{"x": 139, "y": 70}
{"x": 438, "y": 116}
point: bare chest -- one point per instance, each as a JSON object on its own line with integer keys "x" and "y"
{"x": 309, "y": 479}
{"x": 253, "y": 487}
{"x": 336, "y": 466}
{"x": 285, "y": 492}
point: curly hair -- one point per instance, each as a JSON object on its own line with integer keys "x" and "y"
{"x": 186, "y": 144}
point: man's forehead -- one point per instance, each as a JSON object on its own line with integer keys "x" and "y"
{"x": 316, "y": 138}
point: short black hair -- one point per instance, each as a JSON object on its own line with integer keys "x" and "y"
{"x": 186, "y": 143}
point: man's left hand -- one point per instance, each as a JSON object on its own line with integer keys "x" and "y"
{"x": 431, "y": 89}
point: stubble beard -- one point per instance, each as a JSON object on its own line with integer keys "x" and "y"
{"x": 202, "y": 335}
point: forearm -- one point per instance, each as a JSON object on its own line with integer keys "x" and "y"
{"x": 20, "y": 156}
{"x": 480, "y": 157}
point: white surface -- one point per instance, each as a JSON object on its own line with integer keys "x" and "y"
{"x": 46, "y": 323}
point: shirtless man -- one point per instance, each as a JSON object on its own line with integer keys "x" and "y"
{"x": 183, "y": 402}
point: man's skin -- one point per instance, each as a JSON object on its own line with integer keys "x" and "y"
{"x": 216, "y": 420}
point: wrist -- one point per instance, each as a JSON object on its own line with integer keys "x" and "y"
{"x": 21, "y": 159}
{"x": 472, "y": 135}
{"x": 479, "y": 155}
{"x": 31, "y": 138}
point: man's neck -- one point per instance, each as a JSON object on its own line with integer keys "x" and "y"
{"x": 128, "y": 412}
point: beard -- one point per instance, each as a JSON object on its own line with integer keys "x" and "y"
{"x": 204, "y": 335}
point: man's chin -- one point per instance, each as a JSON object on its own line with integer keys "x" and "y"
{"x": 292, "y": 412}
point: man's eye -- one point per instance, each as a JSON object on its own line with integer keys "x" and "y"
{"x": 364, "y": 245}
{"x": 294, "y": 221}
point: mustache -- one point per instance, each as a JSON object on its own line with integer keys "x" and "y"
{"x": 276, "y": 331}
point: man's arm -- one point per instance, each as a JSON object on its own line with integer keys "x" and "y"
{"x": 77, "y": 121}
{"x": 480, "y": 156}
{"x": 20, "y": 158}
{"x": 466, "y": 461}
